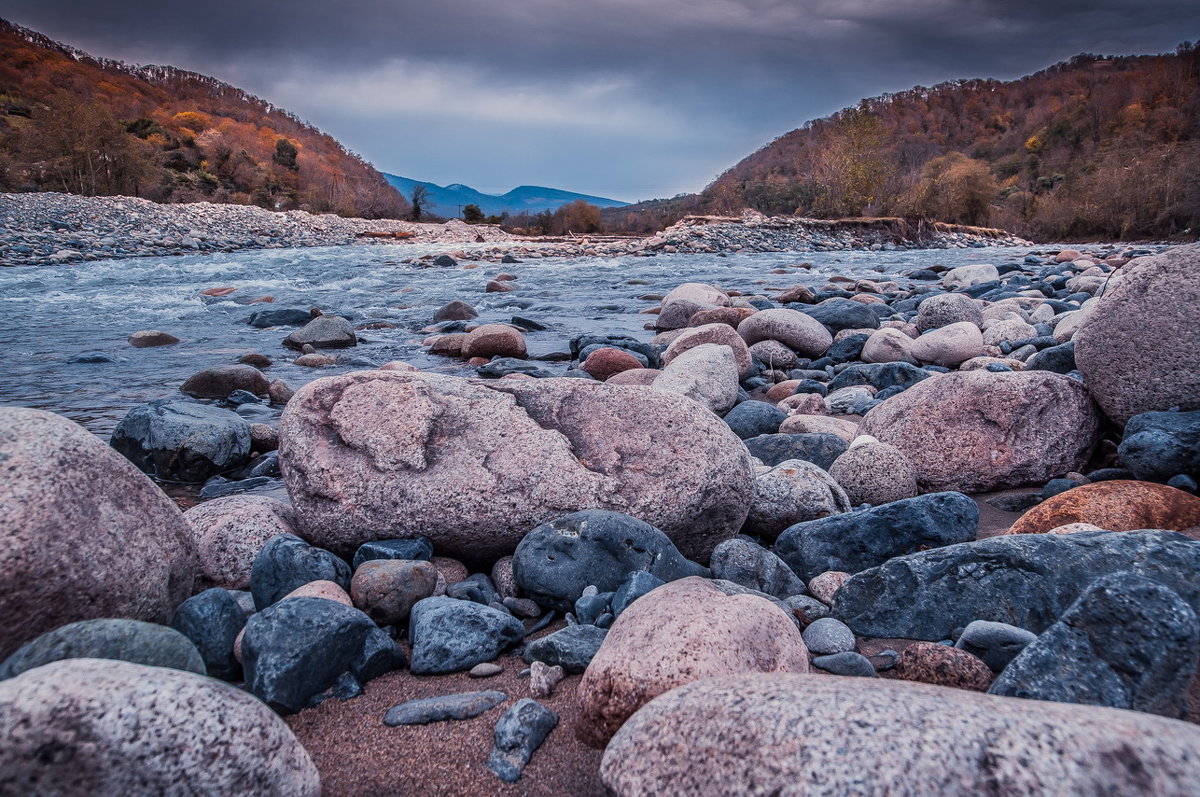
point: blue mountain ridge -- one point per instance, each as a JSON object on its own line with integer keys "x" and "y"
{"x": 448, "y": 200}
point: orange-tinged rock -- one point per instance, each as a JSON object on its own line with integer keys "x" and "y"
{"x": 1114, "y": 505}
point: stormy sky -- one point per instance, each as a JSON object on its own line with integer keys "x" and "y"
{"x": 630, "y": 99}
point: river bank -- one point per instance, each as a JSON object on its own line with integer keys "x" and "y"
{"x": 51, "y": 228}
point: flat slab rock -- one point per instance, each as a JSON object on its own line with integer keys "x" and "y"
{"x": 462, "y": 706}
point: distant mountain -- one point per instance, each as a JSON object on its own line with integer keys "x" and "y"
{"x": 85, "y": 125}
{"x": 448, "y": 200}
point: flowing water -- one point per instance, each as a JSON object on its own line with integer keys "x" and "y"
{"x": 55, "y": 313}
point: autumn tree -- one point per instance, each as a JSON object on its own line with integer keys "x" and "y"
{"x": 472, "y": 214}
{"x": 852, "y": 165}
{"x": 953, "y": 188}
{"x": 576, "y": 217}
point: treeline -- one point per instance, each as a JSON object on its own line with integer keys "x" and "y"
{"x": 1095, "y": 147}
{"x": 73, "y": 123}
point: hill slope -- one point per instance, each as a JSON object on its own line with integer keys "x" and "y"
{"x": 71, "y": 122}
{"x": 448, "y": 200}
{"x": 1095, "y": 146}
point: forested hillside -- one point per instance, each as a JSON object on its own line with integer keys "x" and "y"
{"x": 73, "y": 123}
{"x": 1105, "y": 147}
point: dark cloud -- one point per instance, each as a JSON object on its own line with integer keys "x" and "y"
{"x": 619, "y": 97}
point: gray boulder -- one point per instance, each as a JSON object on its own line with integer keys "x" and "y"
{"x": 212, "y": 620}
{"x": 299, "y": 651}
{"x": 124, "y": 640}
{"x": 219, "y": 382}
{"x": 855, "y": 541}
{"x": 745, "y": 562}
{"x": 1159, "y": 445}
{"x": 789, "y": 493}
{"x": 557, "y": 560}
{"x": 450, "y": 635}
{"x": 1026, "y": 580}
{"x": 571, "y": 648}
{"x": 182, "y": 440}
{"x": 91, "y": 726}
{"x": 819, "y": 449}
{"x": 1127, "y": 642}
{"x": 996, "y": 644}
{"x": 279, "y": 317}
{"x": 323, "y": 332}
{"x": 287, "y": 562}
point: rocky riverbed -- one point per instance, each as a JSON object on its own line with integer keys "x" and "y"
{"x": 513, "y": 539}
{"x": 50, "y": 228}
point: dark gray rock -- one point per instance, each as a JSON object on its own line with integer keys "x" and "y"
{"x": 224, "y": 380}
{"x": 745, "y": 562}
{"x": 754, "y": 418}
{"x": 124, "y": 640}
{"x": 1026, "y": 580}
{"x": 839, "y": 314}
{"x": 805, "y": 608}
{"x": 450, "y": 635}
{"x": 571, "y": 648}
{"x": 848, "y": 348}
{"x": 476, "y": 587}
{"x": 1127, "y": 642}
{"x": 181, "y": 440}
{"x": 1160, "y": 445}
{"x": 503, "y": 366}
{"x": 855, "y": 541}
{"x": 456, "y": 310}
{"x": 1014, "y": 502}
{"x": 847, "y": 663}
{"x": 212, "y": 621}
{"x": 828, "y": 636}
{"x": 411, "y": 548}
{"x": 589, "y": 607}
{"x": 301, "y": 650}
{"x": 279, "y": 317}
{"x": 819, "y": 449}
{"x": 323, "y": 332}
{"x": 880, "y": 376}
{"x": 996, "y": 643}
{"x": 462, "y": 706}
{"x": 287, "y": 562}
{"x": 1059, "y": 359}
{"x": 556, "y": 560}
{"x": 635, "y": 585}
{"x": 520, "y": 731}
{"x": 651, "y": 351}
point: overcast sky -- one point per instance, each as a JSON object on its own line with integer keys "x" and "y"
{"x": 630, "y": 99}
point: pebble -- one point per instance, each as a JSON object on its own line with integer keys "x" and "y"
{"x": 828, "y": 636}
{"x": 846, "y": 663}
{"x": 443, "y": 707}
{"x": 519, "y": 733}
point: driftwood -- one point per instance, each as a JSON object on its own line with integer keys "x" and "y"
{"x": 399, "y": 235}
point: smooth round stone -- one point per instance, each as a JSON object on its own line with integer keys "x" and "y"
{"x": 828, "y": 635}
{"x": 847, "y": 663}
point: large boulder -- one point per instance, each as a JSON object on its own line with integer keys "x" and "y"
{"x": 1137, "y": 350}
{"x": 838, "y": 314}
{"x": 1116, "y": 505}
{"x": 798, "y": 331}
{"x": 1026, "y": 580}
{"x": 91, "y": 726}
{"x": 474, "y": 465}
{"x": 976, "y": 431}
{"x": 108, "y": 638}
{"x": 182, "y": 440}
{"x": 85, "y": 534}
{"x": 855, "y": 541}
{"x": 1160, "y": 445}
{"x": 810, "y": 734}
{"x": 301, "y": 650}
{"x": 229, "y": 532}
{"x": 1127, "y": 642}
{"x": 681, "y": 632}
{"x": 557, "y": 560}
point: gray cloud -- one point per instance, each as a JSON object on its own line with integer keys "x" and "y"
{"x": 625, "y": 98}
